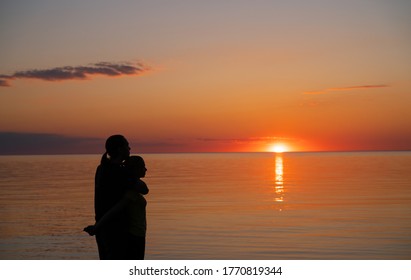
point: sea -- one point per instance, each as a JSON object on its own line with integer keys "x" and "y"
{"x": 219, "y": 206}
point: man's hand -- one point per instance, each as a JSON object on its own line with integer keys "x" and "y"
{"x": 91, "y": 230}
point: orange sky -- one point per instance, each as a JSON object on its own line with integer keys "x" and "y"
{"x": 186, "y": 76}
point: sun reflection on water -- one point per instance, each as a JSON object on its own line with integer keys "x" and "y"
{"x": 279, "y": 178}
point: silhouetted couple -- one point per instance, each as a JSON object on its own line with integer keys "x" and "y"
{"x": 120, "y": 207}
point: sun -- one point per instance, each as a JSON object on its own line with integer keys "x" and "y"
{"x": 278, "y": 148}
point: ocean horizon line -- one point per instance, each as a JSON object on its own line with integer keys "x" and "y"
{"x": 238, "y": 152}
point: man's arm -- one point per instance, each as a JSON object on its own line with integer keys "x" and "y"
{"x": 109, "y": 215}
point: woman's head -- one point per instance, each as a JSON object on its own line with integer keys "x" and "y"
{"x": 136, "y": 166}
{"x": 117, "y": 147}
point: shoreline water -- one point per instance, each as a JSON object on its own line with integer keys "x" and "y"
{"x": 219, "y": 206}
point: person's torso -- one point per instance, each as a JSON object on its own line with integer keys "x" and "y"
{"x": 110, "y": 188}
{"x": 136, "y": 211}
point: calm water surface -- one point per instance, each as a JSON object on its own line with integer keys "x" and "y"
{"x": 219, "y": 206}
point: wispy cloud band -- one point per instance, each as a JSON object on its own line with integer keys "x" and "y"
{"x": 77, "y": 72}
{"x": 248, "y": 140}
{"x": 328, "y": 90}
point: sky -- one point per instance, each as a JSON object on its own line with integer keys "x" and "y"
{"x": 205, "y": 76}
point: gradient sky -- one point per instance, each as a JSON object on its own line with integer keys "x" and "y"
{"x": 205, "y": 75}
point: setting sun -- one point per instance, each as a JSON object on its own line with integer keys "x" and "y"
{"x": 278, "y": 148}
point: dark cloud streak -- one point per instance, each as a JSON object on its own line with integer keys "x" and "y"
{"x": 19, "y": 143}
{"x": 247, "y": 140}
{"x": 327, "y": 90}
{"x": 26, "y": 143}
{"x": 77, "y": 72}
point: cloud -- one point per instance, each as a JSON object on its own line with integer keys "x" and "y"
{"x": 77, "y": 72}
{"x": 20, "y": 143}
{"x": 27, "y": 143}
{"x": 267, "y": 139}
{"x": 363, "y": 87}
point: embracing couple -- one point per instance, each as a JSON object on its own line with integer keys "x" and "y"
{"x": 120, "y": 207}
